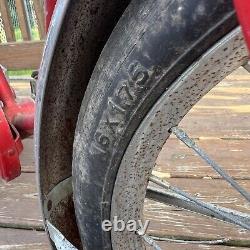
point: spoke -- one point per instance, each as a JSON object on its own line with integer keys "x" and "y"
{"x": 58, "y": 238}
{"x": 222, "y": 215}
{"x": 181, "y": 135}
{"x": 170, "y": 198}
{"x": 149, "y": 240}
{"x": 203, "y": 242}
{"x": 152, "y": 239}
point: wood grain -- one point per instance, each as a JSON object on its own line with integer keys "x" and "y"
{"x": 22, "y": 240}
{"x": 178, "y": 160}
{"x": 171, "y": 246}
{"x": 19, "y": 203}
{"x": 25, "y": 55}
{"x": 223, "y": 113}
{"x": 8, "y": 27}
{"x": 23, "y": 20}
{"x": 168, "y": 220}
{"x": 27, "y": 156}
{"x": 40, "y": 18}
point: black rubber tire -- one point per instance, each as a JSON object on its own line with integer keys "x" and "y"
{"x": 152, "y": 45}
{"x": 80, "y": 30}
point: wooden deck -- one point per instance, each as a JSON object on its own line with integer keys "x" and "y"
{"x": 220, "y": 124}
{"x": 24, "y": 40}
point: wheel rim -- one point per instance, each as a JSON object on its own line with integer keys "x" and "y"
{"x": 139, "y": 159}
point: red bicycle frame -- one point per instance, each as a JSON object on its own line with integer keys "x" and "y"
{"x": 49, "y": 6}
{"x": 243, "y": 12}
{"x": 16, "y": 121}
{"x": 16, "y": 118}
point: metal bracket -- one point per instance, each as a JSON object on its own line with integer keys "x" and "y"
{"x": 59, "y": 193}
{"x": 10, "y": 148}
{"x": 59, "y": 240}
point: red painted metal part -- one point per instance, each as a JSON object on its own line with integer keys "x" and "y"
{"x": 16, "y": 122}
{"x": 10, "y": 148}
{"x": 16, "y": 118}
{"x": 243, "y": 12}
{"x": 19, "y": 112}
{"x": 49, "y": 9}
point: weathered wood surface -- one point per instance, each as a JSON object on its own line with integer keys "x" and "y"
{"x": 27, "y": 157}
{"x": 7, "y": 22}
{"x": 19, "y": 203}
{"x": 223, "y": 113}
{"x": 17, "y": 239}
{"x": 177, "y": 160}
{"x": 168, "y": 220}
{"x": 23, "y": 20}
{"x": 220, "y": 124}
{"x": 22, "y": 88}
{"x": 171, "y": 246}
{"x": 25, "y": 55}
{"x": 40, "y": 18}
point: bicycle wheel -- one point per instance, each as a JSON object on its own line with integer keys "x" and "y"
{"x": 160, "y": 60}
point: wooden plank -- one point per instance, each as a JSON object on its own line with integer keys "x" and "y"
{"x": 224, "y": 111}
{"x": 37, "y": 246}
{"x": 240, "y": 74}
{"x": 171, "y": 246}
{"x": 28, "y": 169}
{"x": 27, "y": 157}
{"x": 23, "y": 20}
{"x": 25, "y": 55}
{"x": 8, "y": 26}
{"x": 219, "y": 125}
{"x": 19, "y": 203}
{"x": 21, "y": 87}
{"x": 172, "y": 221}
{"x": 169, "y": 220}
{"x": 177, "y": 160}
{"x": 221, "y": 113}
{"x": 40, "y": 18}
{"x": 23, "y": 239}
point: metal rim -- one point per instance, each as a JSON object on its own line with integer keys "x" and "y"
{"x": 138, "y": 162}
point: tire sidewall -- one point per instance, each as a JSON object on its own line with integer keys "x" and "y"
{"x": 144, "y": 55}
